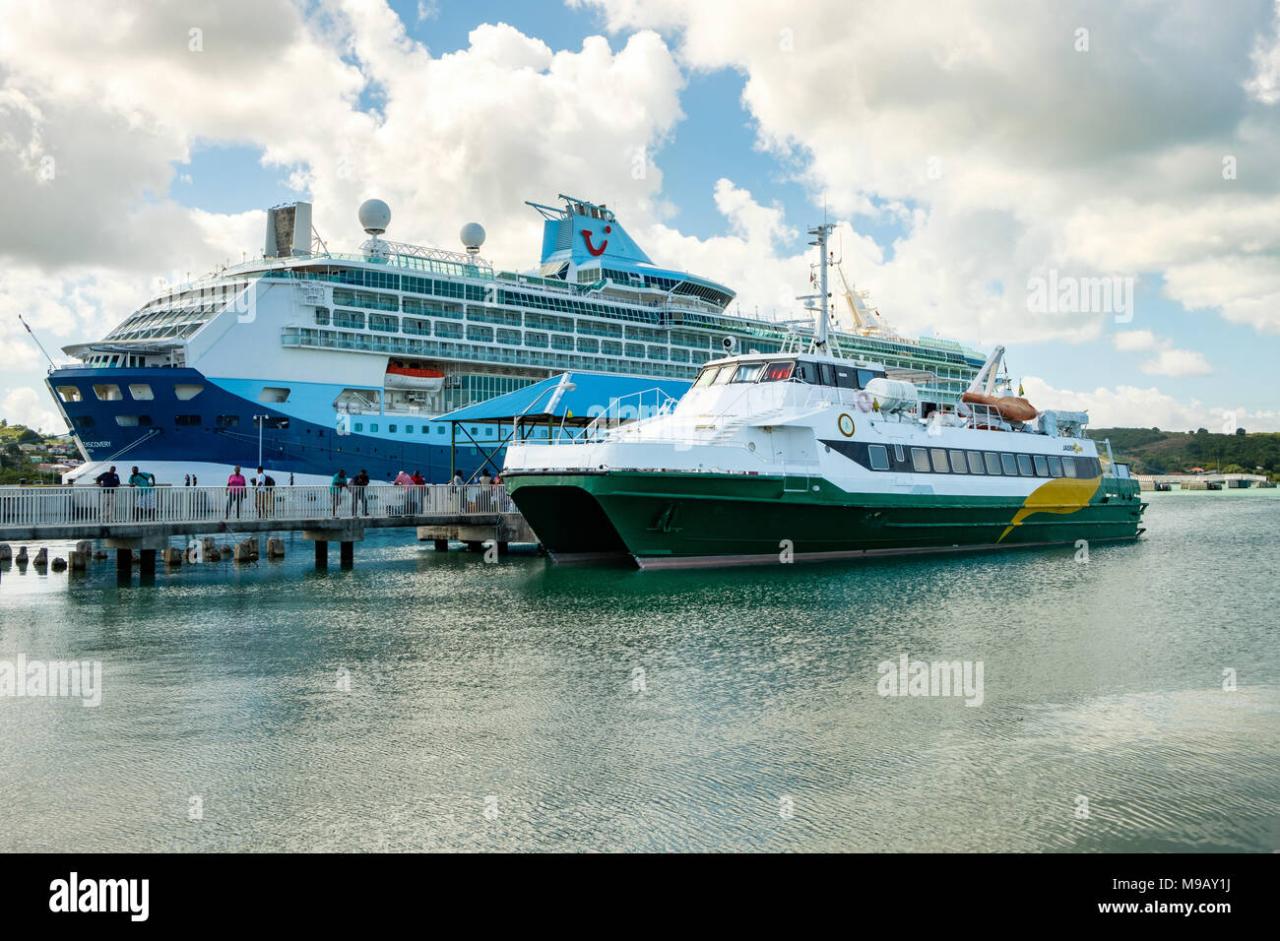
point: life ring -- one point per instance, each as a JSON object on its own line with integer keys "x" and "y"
{"x": 845, "y": 424}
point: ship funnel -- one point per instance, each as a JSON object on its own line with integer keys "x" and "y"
{"x": 288, "y": 231}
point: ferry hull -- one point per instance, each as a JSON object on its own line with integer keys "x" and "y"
{"x": 666, "y": 520}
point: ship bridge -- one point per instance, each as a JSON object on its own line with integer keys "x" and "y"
{"x": 584, "y": 243}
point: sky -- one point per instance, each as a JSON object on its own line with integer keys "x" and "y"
{"x": 1094, "y": 185}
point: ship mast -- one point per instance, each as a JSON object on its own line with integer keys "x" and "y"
{"x": 821, "y": 337}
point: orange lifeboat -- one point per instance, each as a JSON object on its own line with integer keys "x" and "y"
{"x": 1009, "y": 407}
{"x": 400, "y": 376}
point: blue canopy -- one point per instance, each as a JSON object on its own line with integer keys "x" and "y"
{"x": 574, "y": 398}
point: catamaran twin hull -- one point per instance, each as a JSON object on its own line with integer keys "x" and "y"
{"x": 666, "y": 520}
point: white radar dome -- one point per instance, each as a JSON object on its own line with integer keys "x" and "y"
{"x": 375, "y": 216}
{"x": 472, "y": 236}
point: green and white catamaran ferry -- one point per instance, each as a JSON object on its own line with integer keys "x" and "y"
{"x": 804, "y": 454}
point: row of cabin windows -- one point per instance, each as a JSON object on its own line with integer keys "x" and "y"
{"x": 991, "y": 463}
{"x": 394, "y": 428}
{"x": 839, "y": 375}
{"x": 142, "y": 392}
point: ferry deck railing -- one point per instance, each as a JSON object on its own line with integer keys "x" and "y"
{"x": 122, "y": 506}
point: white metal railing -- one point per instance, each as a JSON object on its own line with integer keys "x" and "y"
{"x": 90, "y": 506}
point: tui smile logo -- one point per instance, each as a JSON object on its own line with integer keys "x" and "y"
{"x": 586, "y": 237}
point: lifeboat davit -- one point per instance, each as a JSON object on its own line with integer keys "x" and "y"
{"x": 1008, "y": 407}
{"x": 413, "y": 377}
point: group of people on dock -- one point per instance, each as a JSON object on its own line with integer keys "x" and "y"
{"x": 262, "y": 484}
{"x": 144, "y": 507}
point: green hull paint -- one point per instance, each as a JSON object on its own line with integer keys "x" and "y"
{"x": 689, "y": 516}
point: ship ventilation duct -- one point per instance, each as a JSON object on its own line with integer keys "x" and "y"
{"x": 288, "y": 231}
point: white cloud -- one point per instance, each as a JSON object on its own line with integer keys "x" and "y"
{"x": 1130, "y": 340}
{"x": 1127, "y": 406}
{"x": 1172, "y": 362}
{"x": 1017, "y": 151}
{"x": 26, "y": 406}
{"x": 1168, "y": 360}
{"x": 1264, "y": 84}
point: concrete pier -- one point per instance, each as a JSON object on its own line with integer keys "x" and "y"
{"x": 471, "y": 513}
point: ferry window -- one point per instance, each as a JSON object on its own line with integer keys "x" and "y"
{"x": 778, "y": 372}
{"x": 186, "y": 391}
{"x": 373, "y": 426}
{"x": 939, "y": 460}
{"x": 83, "y": 421}
{"x": 227, "y": 421}
{"x": 865, "y": 376}
{"x": 359, "y": 426}
{"x": 846, "y": 378}
{"x": 275, "y": 421}
{"x": 807, "y": 372}
{"x": 828, "y": 374}
{"x": 127, "y": 421}
{"x": 273, "y": 394}
{"x": 1024, "y": 465}
{"x": 920, "y": 460}
{"x": 1009, "y": 464}
{"x": 1055, "y": 466}
{"x": 975, "y": 462}
{"x": 69, "y": 393}
{"x": 107, "y": 393}
{"x": 725, "y": 375}
{"x": 391, "y": 428}
{"x": 439, "y": 429}
{"x": 1068, "y": 467}
{"x": 992, "y": 461}
{"x": 141, "y": 391}
{"x": 958, "y": 465}
{"x": 408, "y": 429}
{"x": 1042, "y": 466}
{"x": 898, "y": 454}
{"x": 186, "y": 420}
{"x": 879, "y": 457}
{"x": 748, "y": 372}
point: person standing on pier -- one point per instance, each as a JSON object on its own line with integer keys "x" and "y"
{"x": 359, "y": 500}
{"x": 336, "y": 486}
{"x": 108, "y": 480}
{"x": 145, "y": 482}
{"x": 235, "y": 492}
{"x": 405, "y": 481}
{"x": 418, "y": 493}
{"x": 264, "y": 492}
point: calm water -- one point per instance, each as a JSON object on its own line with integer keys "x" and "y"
{"x": 524, "y": 706}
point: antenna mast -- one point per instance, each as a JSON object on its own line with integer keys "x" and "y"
{"x": 37, "y": 341}
{"x": 821, "y": 337}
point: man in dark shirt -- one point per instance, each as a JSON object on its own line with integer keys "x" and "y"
{"x": 359, "y": 502}
{"x": 108, "y": 480}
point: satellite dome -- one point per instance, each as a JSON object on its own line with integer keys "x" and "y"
{"x": 375, "y": 216}
{"x": 472, "y": 236}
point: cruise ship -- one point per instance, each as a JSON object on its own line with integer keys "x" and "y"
{"x": 306, "y": 360}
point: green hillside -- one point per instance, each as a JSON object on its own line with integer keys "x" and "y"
{"x": 1152, "y": 451}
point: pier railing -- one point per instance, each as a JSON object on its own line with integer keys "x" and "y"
{"x": 121, "y": 506}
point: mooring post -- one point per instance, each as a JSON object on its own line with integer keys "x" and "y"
{"x": 322, "y": 553}
{"x": 124, "y": 565}
{"x": 147, "y": 566}
{"x": 346, "y": 554}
